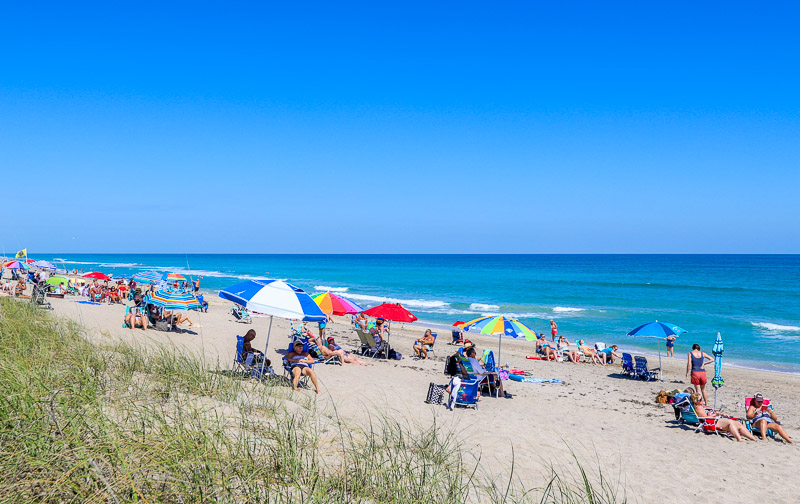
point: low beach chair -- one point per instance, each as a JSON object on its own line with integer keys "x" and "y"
{"x": 429, "y": 348}
{"x": 241, "y": 314}
{"x": 642, "y": 372}
{"x": 468, "y": 393}
{"x": 203, "y": 303}
{"x": 369, "y": 348}
{"x": 686, "y": 414}
{"x": 245, "y": 366}
{"x": 315, "y": 352}
{"x": 628, "y": 368}
{"x": 458, "y": 338}
{"x": 287, "y": 373}
{"x": 39, "y": 298}
{"x": 752, "y": 428}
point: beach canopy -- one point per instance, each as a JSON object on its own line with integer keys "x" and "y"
{"x": 97, "y": 275}
{"x": 500, "y": 325}
{"x": 17, "y": 265}
{"x": 56, "y": 280}
{"x": 331, "y": 303}
{"x": 391, "y": 311}
{"x": 43, "y": 264}
{"x": 149, "y": 277}
{"x": 173, "y": 277}
{"x": 171, "y": 300}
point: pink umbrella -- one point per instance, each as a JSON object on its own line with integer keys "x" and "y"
{"x": 97, "y": 275}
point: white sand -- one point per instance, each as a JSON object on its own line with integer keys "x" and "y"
{"x": 604, "y": 419}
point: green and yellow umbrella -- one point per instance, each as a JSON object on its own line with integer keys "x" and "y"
{"x": 500, "y": 325}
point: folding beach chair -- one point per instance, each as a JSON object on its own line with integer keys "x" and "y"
{"x": 429, "y": 348}
{"x": 287, "y": 372}
{"x": 315, "y": 352}
{"x": 641, "y": 370}
{"x": 368, "y": 346}
{"x": 467, "y": 394}
{"x": 203, "y": 303}
{"x": 458, "y": 338}
{"x": 245, "y": 366}
{"x": 241, "y": 314}
{"x": 752, "y": 428}
{"x": 38, "y": 298}
{"x": 125, "y": 322}
{"x": 628, "y": 368}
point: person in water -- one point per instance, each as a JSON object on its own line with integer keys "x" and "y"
{"x": 763, "y": 418}
{"x": 696, "y": 366}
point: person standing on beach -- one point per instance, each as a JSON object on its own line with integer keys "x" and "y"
{"x": 553, "y": 329}
{"x": 671, "y": 345}
{"x": 696, "y": 366}
{"x": 196, "y": 285}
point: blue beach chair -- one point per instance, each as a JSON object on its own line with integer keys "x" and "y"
{"x": 641, "y": 370}
{"x": 628, "y": 368}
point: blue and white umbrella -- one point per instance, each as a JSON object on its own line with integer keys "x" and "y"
{"x": 276, "y": 299}
{"x": 44, "y": 265}
{"x": 717, "y": 381}
{"x": 658, "y": 330}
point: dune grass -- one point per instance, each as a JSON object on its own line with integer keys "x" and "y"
{"x": 85, "y": 423}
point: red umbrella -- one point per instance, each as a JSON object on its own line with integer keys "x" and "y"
{"x": 30, "y": 261}
{"x": 97, "y": 275}
{"x": 391, "y": 311}
{"x": 460, "y": 322}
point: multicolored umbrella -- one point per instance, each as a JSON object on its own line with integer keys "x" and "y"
{"x": 173, "y": 277}
{"x": 337, "y": 305}
{"x": 500, "y": 325}
{"x": 96, "y": 275}
{"x": 17, "y": 265}
{"x": 148, "y": 277}
{"x": 172, "y": 300}
{"x": 717, "y": 381}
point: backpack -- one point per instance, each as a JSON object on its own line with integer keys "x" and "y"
{"x": 451, "y": 366}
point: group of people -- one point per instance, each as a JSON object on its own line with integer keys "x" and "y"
{"x": 562, "y": 350}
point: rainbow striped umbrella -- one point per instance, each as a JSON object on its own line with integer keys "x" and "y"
{"x": 17, "y": 265}
{"x": 172, "y": 300}
{"x": 173, "y": 277}
{"x": 500, "y": 325}
{"x": 150, "y": 277}
{"x": 331, "y": 303}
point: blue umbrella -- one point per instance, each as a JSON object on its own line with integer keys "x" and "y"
{"x": 274, "y": 298}
{"x": 44, "y": 265}
{"x": 717, "y": 381}
{"x": 658, "y": 330}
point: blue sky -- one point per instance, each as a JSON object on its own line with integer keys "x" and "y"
{"x": 409, "y": 127}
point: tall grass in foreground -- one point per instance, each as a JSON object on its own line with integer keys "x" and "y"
{"x": 83, "y": 423}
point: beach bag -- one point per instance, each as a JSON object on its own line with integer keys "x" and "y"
{"x": 436, "y": 394}
{"x": 162, "y": 325}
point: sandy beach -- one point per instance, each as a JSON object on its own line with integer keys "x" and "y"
{"x": 607, "y": 421}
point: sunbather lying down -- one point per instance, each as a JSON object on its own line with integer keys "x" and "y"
{"x": 299, "y": 364}
{"x": 334, "y": 349}
{"x": 722, "y": 422}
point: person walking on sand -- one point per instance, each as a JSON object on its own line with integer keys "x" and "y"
{"x": 696, "y": 366}
{"x": 553, "y": 329}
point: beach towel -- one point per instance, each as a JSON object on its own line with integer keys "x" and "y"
{"x": 86, "y": 302}
{"x": 528, "y": 379}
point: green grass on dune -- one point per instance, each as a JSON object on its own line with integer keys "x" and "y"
{"x": 84, "y": 423}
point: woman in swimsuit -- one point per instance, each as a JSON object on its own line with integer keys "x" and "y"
{"x": 721, "y": 422}
{"x": 348, "y": 358}
{"x": 563, "y": 347}
{"x": 764, "y": 418}
{"x": 695, "y": 365}
{"x": 553, "y": 329}
{"x": 299, "y": 364}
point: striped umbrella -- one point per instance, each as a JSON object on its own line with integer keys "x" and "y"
{"x": 17, "y": 265}
{"x": 331, "y": 303}
{"x": 172, "y": 300}
{"x": 717, "y": 381}
{"x": 173, "y": 277}
{"x": 148, "y": 277}
{"x": 500, "y": 325}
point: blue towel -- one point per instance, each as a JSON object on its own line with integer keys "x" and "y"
{"x": 86, "y": 302}
{"x": 528, "y": 379}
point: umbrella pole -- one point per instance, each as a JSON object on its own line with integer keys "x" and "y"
{"x": 264, "y": 362}
{"x": 499, "y": 349}
{"x": 660, "y": 370}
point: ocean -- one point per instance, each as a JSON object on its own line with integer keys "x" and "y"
{"x": 753, "y": 300}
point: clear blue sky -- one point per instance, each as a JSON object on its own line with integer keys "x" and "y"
{"x": 413, "y": 127}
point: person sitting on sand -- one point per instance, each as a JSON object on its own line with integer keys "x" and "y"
{"x": 763, "y": 418}
{"x": 299, "y": 364}
{"x": 607, "y": 354}
{"x": 696, "y": 365}
{"x": 348, "y": 357}
{"x": 480, "y": 372}
{"x": 136, "y": 317}
{"x": 564, "y": 348}
{"x": 178, "y": 318}
{"x": 722, "y": 422}
{"x": 247, "y": 348}
{"x": 545, "y": 349}
{"x": 420, "y": 344}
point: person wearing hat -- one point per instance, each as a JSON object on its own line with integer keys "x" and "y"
{"x": 299, "y": 363}
{"x": 762, "y": 417}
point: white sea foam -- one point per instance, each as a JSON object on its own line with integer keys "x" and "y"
{"x": 480, "y": 307}
{"x": 417, "y": 303}
{"x": 563, "y": 309}
{"x": 327, "y": 288}
{"x": 775, "y": 327}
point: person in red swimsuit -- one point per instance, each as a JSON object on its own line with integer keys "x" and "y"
{"x": 553, "y": 329}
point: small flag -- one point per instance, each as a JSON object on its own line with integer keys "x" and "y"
{"x": 22, "y": 253}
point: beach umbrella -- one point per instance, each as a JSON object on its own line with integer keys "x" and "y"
{"x": 276, "y": 299}
{"x": 172, "y": 300}
{"x": 335, "y": 304}
{"x": 173, "y": 277}
{"x": 391, "y": 311}
{"x": 717, "y": 381}
{"x": 96, "y": 275}
{"x": 658, "y": 330}
{"x": 43, "y": 265}
{"x": 500, "y": 325}
{"x": 17, "y": 265}
{"x": 148, "y": 277}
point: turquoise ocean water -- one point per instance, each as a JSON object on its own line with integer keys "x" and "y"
{"x": 753, "y": 300}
